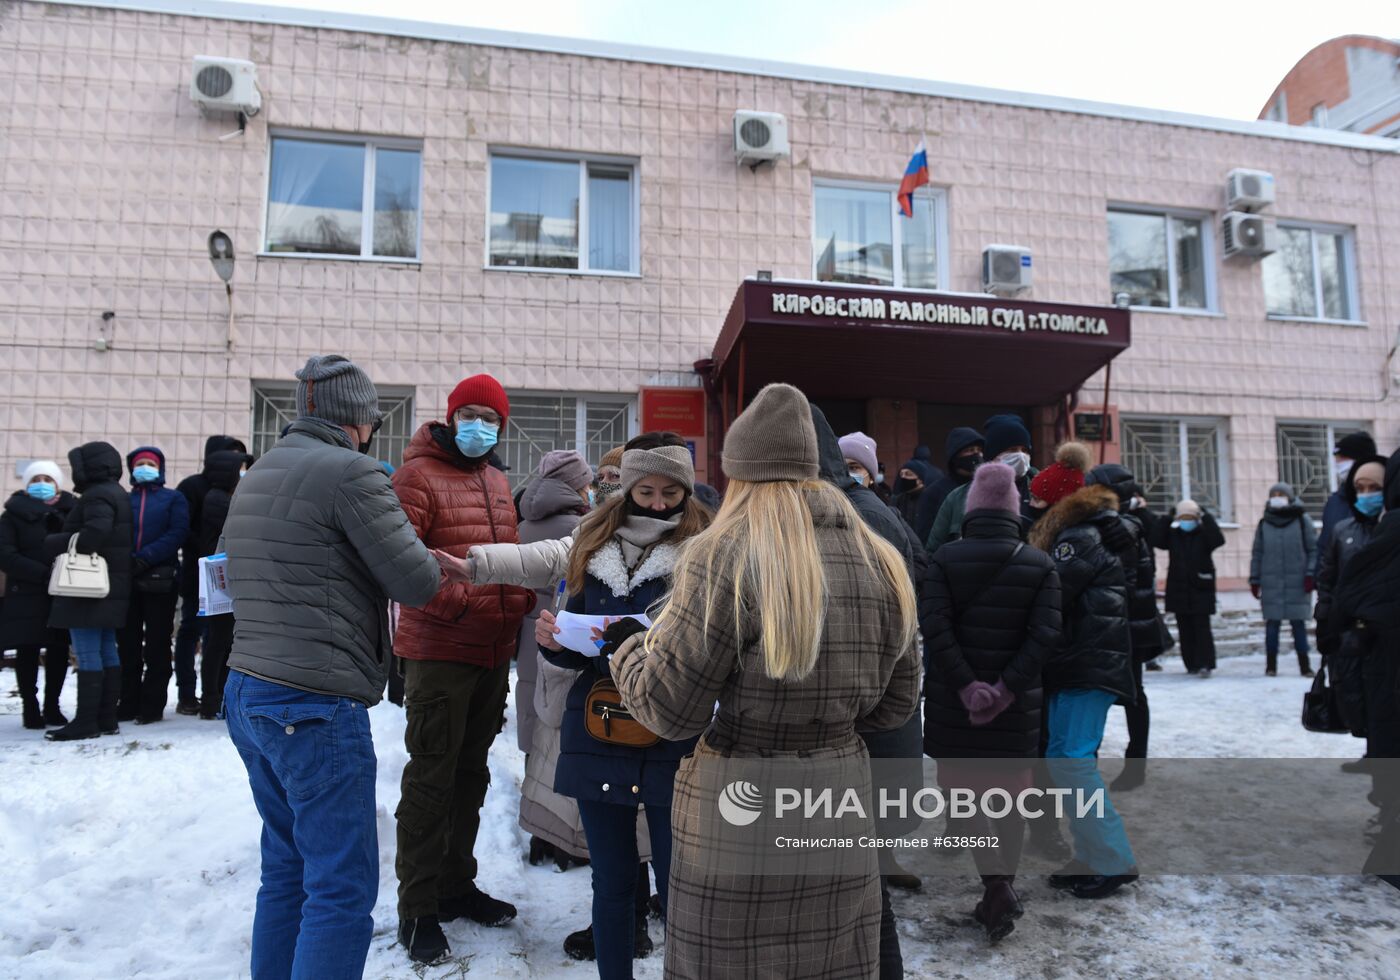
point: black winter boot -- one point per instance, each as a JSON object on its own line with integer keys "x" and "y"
{"x": 55, "y": 672}
{"x": 476, "y": 905}
{"x": 27, "y": 680}
{"x": 111, "y": 692}
{"x": 84, "y": 725}
{"x": 423, "y": 939}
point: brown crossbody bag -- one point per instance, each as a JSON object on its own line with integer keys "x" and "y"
{"x": 607, "y": 719}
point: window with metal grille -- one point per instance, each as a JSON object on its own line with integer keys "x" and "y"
{"x": 591, "y": 424}
{"x": 1176, "y": 458}
{"x": 275, "y": 406}
{"x": 1305, "y": 459}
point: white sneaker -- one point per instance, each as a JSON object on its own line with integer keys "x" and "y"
{"x": 1205, "y": 672}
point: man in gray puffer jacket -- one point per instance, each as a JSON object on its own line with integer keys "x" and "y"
{"x": 317, "y": 545}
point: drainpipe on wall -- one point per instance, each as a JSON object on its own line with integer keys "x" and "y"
{"x": 714, "y": 438}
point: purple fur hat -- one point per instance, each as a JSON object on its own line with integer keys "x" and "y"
{"x": 994, "y": 488}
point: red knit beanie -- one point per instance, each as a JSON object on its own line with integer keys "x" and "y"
{"x": 1064, "y": 476}
{"x": 479, "y": 389}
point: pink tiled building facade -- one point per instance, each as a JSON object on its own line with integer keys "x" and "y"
{"x": 434, "y": 202}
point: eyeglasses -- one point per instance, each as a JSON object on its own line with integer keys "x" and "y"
{"x": 467, "y": 415}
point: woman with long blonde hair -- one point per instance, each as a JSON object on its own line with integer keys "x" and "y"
{"x": 789, "y": 626}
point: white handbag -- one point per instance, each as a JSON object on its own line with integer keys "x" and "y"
{"x": 79, "y": 576}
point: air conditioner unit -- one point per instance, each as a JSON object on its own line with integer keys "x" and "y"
{"x": 1248, "y": 190}
{"x": 1254, "y": 235}
{"x": 1006, "y": 270}
{"x": 760, "y": 137}
{"x": 225, "y": 85}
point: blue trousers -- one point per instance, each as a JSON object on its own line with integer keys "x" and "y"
{"x": 1272, "y": 629}
{"x": 311, "y": 764}
{"x": 611, "y": 830}
{"x": 95, "y": 649}
{"x": 1077, "y": 718}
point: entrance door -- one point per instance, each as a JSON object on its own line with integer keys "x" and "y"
{"x": 936, "y": 421}
{"x": 845, "y": 416}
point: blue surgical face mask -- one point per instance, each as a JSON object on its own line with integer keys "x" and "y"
{"x": 475, "y": 438}
{"x": 858, "y": 477}
{"x": 40, "y": 490}
{"x": 1370, "y": 504}
{"x": 145, "y": 473}
{"x": 1188, "y": 526}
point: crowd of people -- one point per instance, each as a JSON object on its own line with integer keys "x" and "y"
{"x": 151, "y": 538}
{"x": 811, "y": 611}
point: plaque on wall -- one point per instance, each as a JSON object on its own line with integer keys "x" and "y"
{"x": 1093, "y": 427}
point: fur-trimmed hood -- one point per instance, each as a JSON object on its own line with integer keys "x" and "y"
{"x": 608, "y": 567}
{"x": 1078, "y": 508}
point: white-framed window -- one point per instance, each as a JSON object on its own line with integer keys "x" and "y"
{"x": 333, "y": 196}
{"x": 1161, "y": 258}
{"x": 275, "y": 407}
{"x": 1305, "y": 458}
{"x": 1319, "y": 114}
{"x": 1174, "y": 458}
{"x": 1312, "y": 275}
{"x": 860, "y": 236}
{"x": 1278, "y": 110}
{"x": 563, "y": 213}
{"x": 540, "y": 423}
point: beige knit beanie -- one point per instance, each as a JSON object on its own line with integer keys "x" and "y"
{"x": 672, "y": 462}
{"x": 773, "y": 440}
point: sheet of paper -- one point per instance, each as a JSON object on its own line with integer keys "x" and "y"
{"x": 577, "y": 630}
{"x": 214, "y": 599}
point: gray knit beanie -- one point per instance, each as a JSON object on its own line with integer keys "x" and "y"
{"x": 568, "y": 467}
{"x": 330, "y": 387}
{"x": 773, "y": 440}
{"x": 672, "y": 462}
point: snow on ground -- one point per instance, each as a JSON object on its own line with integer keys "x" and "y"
{"x": 138, "y": 857}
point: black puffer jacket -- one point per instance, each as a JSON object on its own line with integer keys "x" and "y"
{"x": 102, "y": 521}
{"x": 881, "y": 518}
{"x": 1190, "y": 565}
{"x": 1096, "y": 646}
{"x": 195, "y": 489}
{"x": 988, "y": 612}
{"x": 221, "y": 469}
{"x": 25, "y": 526}
{"x": 1142, "y": 575}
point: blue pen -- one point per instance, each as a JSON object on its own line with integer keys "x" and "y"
{"x": 559, "y": 594}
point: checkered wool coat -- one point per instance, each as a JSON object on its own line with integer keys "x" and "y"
{"x": 808, "y": 927}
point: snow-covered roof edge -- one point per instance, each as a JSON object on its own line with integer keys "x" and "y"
{"x": 360, "y": 23}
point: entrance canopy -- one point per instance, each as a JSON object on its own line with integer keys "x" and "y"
{"x": 838, "y": 341}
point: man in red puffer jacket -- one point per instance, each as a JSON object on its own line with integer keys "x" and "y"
{"x": 456, "y": 652}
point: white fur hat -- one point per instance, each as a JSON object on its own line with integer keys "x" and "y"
{"x": 43, "y": 467}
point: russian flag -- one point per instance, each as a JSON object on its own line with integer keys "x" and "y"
{"x": 915, "y": 176}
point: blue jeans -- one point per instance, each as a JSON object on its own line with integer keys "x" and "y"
{"x": 311, "y": 765}
{"x": 611, "y": 830}
{"x": 1077, "y": 718}
{"x": 95, "y": 649}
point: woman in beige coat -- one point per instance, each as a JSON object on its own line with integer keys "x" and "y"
{"x": 801, "y": 624}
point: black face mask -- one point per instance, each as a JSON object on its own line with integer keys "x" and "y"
{"x": 637, "y": 510}
{"x": 374, "y": 427}
{"x": 966, "y": 465}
